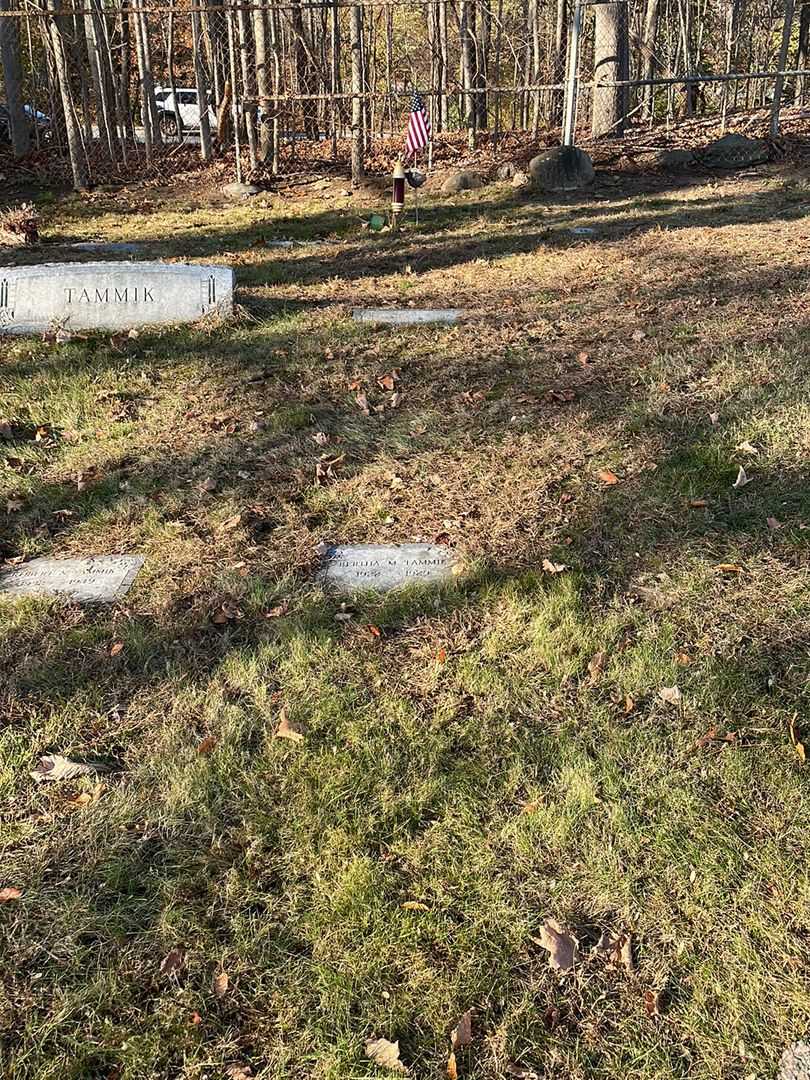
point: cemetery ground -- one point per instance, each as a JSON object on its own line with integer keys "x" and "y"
{"x": 330, "y": 822}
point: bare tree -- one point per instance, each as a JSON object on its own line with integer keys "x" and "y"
{"x": 78, "y": 164}
{"x": 265, "y": 148}
{"x": 12, "y": 79}
{"x": 611, "y": 63}
{"x": 356, "y": 46}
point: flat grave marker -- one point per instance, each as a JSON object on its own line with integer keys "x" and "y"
{"x": 108, "y": 247}
{"x": 110, "y": 295}
{"x": 347, "y": 567}
{"x": 407, "y": 316}
{"x": 100, "y": 579}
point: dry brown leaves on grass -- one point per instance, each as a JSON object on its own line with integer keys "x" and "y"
{"x": 560, "y": 943}
{"x": 10, "y": 892}
{"x": 173, "y": 962}
{"x": 55, "y": 767}
{"x": 285, "y": 730}
{"x": 617, "y": 950}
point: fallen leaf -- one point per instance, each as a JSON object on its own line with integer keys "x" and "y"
{"x": 396, "y": 398}
{"x": 284, "y": 729}
{"x": 583, "y": 358}
{"x": 374, "y": 631}
{"x": 195, "y": 1019}
{"x": 207, "y": 744}
{"x": 116, "y": 648}
{"x": 277, "y": 611}
{"x": 321, "y": 438}
{"x": 698, "y": 504}
{"x": 629, "y": 704}
{"x": 714, "y": 418}
{"x": 414, "y": 905}
{"x": 9, "y": 893}
{"x": 729, "y": 568}
{"x": 683, "y": 659}
{"x": 362, "y": 404}
{"x": 520, "y": 1072}
{"x": 87, "y": 798}
{"x": 608, "y": 477}
{"x": 747, "y": 448}
{"x": 773, "y": 523}
{"x": 386, "y": 382}
{"x": 655, "y": 1002}
{"x": 551, "y": 1018}
{"x": 239, "y": 1072}
{"x": 219, "y": 984}
{"x": 462, "y": 1033}
{"x": 441, "y": 656}
{"x": 595, "y": 667}
{"x": 173, "y": 961}
{"x": 742, "y": 479}
{"x": 638, "y": 335}
{"x": 452, "y": 1070}
{"x": 617, "y": 950}
{"x": 231, "y": 523}
{"x": 209, "y": 484}
{"x": 56, "y": 767}
{"x": 385, "y": 1053}
{"x": 795, "y": 740}
{"x": 670, "y": 694}
{"x": 560, "y": 943}
{"x": 552, "y": 567}
{"x": 13, "y": 506}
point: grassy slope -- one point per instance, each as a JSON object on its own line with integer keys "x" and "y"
{"x": 465, "y": 758}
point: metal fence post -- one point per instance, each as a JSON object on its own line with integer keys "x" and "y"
{"x": 571, "y": 78}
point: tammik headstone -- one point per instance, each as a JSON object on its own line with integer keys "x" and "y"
{"x": 100, "y": 579}
{"x": 387, "y": 566}
{"x": 110, "y": 295}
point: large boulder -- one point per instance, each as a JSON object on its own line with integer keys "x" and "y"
{"x": 461, "y": 181}
{"x": 676, "y": 160}
{"x": 565, "y": 168}
{"x": 506, "y": 171}
{"x": 735, "y": 151}
{"x": 240, "y": 191}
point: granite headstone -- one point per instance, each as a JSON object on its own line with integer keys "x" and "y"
{"x": 99, "y": 579}
{"x": 387, "y": 566}
{"x": 110, "y": 295}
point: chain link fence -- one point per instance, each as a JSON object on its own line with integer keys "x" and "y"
{"x": 114, "y": 92}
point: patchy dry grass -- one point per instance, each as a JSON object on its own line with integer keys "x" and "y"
{"x": 468, "y": 758}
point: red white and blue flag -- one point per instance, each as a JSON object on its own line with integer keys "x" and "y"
{"x": 419, "y": 133}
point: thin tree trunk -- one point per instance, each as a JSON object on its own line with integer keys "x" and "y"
{"x": 146, "y": 112}
{"x": 265, "y": 149}
{"x": 803, "y": 51}
{"x": 172, "y": 79}
{"x": 467, "y": 43}
{"x": 534, "y": 70}
{"x": 122, "y": 90}
{"x": 78, "y": 163}
{"x": 355, "y": 44}
{"x": 97, "y": 54}
{"x": 648, "y": 66}
{"x": 248, "y": 112}
{"x": 202, "y": 88}
{"x": 147, "y": 77}
{"x": 12, "y": 79}
{"x": 444, "y": 103}
{"x": 558, "y": 69}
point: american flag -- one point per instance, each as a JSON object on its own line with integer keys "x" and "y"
{"x": 419, "y": 133}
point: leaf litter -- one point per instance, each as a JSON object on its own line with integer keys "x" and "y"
{"x": 386, "y": 1054}
{"x": 560, "y": 943}
{"x": 56, "y": 767}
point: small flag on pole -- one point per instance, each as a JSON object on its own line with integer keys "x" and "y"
{"x": 419, "y": 133}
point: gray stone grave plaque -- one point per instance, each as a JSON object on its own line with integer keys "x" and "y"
{"x": 110, "y": 295}
{"x": 387, "y": 566}
{"x": 100, "y": 579}
{"x": 407, "y": 316}
{"x": 112, "y": 247}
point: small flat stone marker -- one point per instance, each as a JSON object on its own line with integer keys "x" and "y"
{"x": 110, "y": 295}
{"x": 101, "y": 579}
{"x": 348, "y": 567}
{"x": 104, "y": 247}
{"x": 407, "y": 316}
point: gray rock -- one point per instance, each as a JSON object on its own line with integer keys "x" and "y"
{"x": 795, "y": 1063}
{"x": 735, "y": 151}
{"x": 676, "y": 160}
{"x": 461, "y": 181}
{"x": 240, "y": 191}
{"x": 110, "y": 295}
{"x": 507, "y": 171}
{"x": 565, "y": 168}
{"x": 521, "y": 180}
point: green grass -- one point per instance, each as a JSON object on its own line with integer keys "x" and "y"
{"x": 466, "y": 758}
